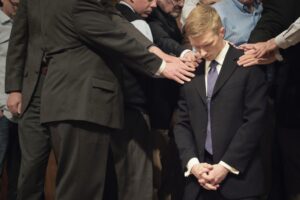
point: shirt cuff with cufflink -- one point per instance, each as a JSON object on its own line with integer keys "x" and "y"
{"x": 184, "y": 52}
{"x": 195, "y": 161}
{"x": 189, "y": 166}
{"x": 229, "y": 168}
{"x": 161, "y": 69}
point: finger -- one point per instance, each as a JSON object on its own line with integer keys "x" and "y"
{"x": 247, "y": 61}
{"x": 206, "y": 165}
{"x": 209, "y": 186}
{"x": 205, "y": 170}
{"x": 246, "y": 46}
{"x": 188, "y": 59}
{"x": 208, "y": 178}
{"x": 192, "y": 65}
{"x": 186, "y": 73}
{"x": 19, "y": 108}
{"x": 201, "y": 181}
{"x": 263, "y": 53}
{"x": 183, "y": 77}
{"x": 178, "y": 80}
{"x": 198, "y": 56}
{"x": 188, "y": 67}
{"x": 250, "y": 63}
{"x": 184, "y": 59}
{"x": 250, "y": 52}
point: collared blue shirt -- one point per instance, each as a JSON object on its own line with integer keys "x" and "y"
{"x": 237, "y": 20}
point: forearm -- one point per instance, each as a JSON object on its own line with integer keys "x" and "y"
{"x": 289, "y": 37}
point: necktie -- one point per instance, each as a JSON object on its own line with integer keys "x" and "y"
{"x": 211, "y": 81}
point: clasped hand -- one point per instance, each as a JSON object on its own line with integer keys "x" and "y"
{"x": 209, "y": 176}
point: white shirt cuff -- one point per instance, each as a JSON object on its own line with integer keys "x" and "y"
{"x": 189, "y": 166}
{"x": 231, "y": 169}
{"x": 184, "y": 52}
{"x": 278, "y": 56}
{"x": 161, "y": 68}
{"x": 281, "y": 42}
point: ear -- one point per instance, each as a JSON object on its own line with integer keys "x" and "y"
{"x": 222, "y": 32}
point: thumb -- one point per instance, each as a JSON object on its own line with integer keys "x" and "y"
{"x": 19, "y": 108}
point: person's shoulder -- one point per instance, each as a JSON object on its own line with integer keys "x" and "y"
{"x": 221, "y": 4}
{"x": 234, "y": 52}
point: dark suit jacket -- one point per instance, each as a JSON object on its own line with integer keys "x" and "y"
{"x": 237, "y": 116}
{"x": 166, "y": 33}
{"x": 128, "y": 13}
{"x": 25, "y": 52}
{"x": 86, "y": 40}
{"x": 164, "y": 93}
{"x": 276, "y": 17}
{"x": 161, "y": 94}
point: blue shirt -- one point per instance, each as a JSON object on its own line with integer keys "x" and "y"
{"x": 237, "y": 20}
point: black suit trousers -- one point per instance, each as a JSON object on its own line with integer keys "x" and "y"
{"x": 87, "y": 152}
{"x": 132, "y": 156}
{"x": 81, "y": 150}
{"x": 35, "y": 147}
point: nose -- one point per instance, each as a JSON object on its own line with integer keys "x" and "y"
{"x": 154, "y": 4}
{"x": 202, "y": 52}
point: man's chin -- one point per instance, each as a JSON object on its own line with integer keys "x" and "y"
{"x": 208, "y": 58}
{"x": 145, "y": 15}
{"x": 175, "y": 14}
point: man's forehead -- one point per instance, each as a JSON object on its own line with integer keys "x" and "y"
{"x": 203, "y": 38}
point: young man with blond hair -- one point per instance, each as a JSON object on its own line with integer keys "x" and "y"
{"x": 220, "y": 117}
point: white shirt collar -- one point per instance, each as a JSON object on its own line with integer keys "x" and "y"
{"x": 4, "y": 18}
{"x": 220, "y": 58}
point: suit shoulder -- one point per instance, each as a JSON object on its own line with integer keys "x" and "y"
{"x": 236, "y": 52}
{"x": 127, "y": 12}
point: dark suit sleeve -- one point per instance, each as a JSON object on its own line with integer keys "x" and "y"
{"x": 246, "y": 141}
{"x": 163, "y": 40}
{"x": 129, "y": 28}
{"x": 183, "y": 131}
{"x": 276, "y": 17}
{"x": 17, "y": 50}
{"x": 99, "y": 31}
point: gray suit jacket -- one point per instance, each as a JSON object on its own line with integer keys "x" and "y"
{"x": 25, "y": 52}
{"x": 86, "y": 42}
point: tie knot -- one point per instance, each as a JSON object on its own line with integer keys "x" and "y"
{"x": 213, "y": 64}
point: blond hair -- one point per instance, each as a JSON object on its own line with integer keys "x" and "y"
{"x": 202, "y": 19}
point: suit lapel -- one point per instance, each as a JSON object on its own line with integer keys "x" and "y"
{"x": 199, "y": 81}
{"x": 227, "y": 69}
